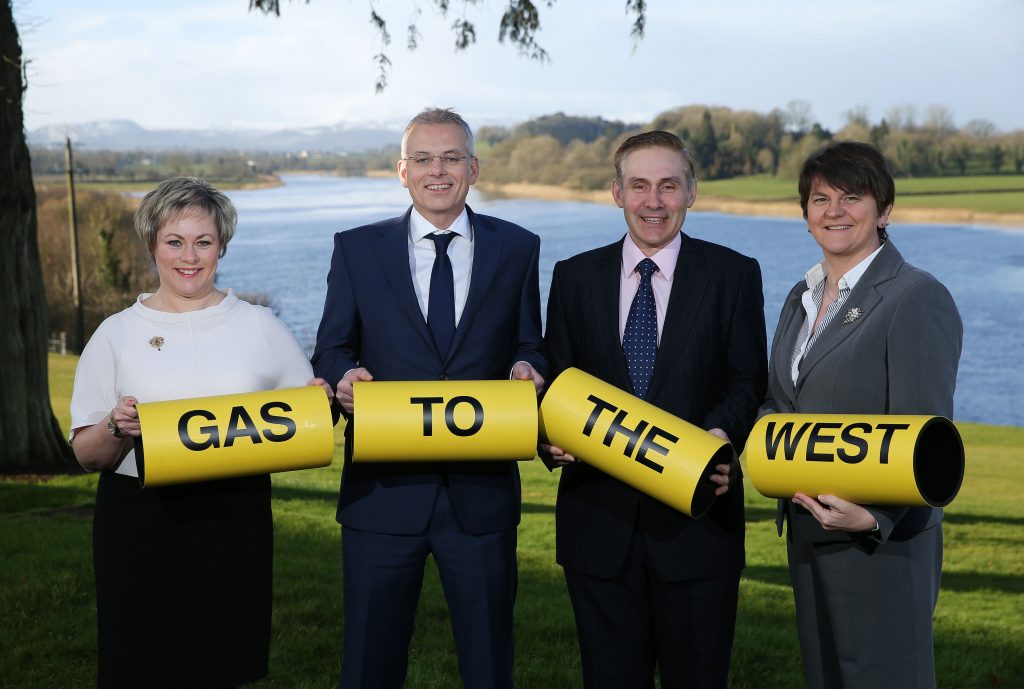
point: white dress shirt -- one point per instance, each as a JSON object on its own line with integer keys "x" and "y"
{"x": 423, "y": 250}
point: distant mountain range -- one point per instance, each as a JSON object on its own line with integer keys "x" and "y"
{"x": 125, "y": 135}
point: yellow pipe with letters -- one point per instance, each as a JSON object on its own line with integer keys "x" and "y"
{"x": 632, "y": 440}
{"x": 209, "y": 438}
{"x": 866, "y": 459}
{"x": 444, "y": 420}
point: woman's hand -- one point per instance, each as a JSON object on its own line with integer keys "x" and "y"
{"x": 125, "y": 417}
{"x": 836, "y": 514}
{"x": 102, "y": 445}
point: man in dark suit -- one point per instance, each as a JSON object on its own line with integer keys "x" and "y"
{"x": 678, "y": 322}
{"x": 439, "y": 293}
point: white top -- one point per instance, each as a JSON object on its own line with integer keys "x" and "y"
{"x": 233, "y": 347}
{"x": 422, "y": 252}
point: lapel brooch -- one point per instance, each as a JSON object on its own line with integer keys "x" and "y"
{"x": 852, "y": 315}
{"x": 156, "y": 342}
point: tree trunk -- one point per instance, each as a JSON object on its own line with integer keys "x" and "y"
{"x": 30, "y": 438}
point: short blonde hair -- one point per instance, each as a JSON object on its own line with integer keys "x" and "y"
{"x": 179, "y": 196}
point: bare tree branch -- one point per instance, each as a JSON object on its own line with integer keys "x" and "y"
{"x": 520, "y": 24}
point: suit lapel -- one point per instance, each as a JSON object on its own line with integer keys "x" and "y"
{"x": 688, "y": 285}
{"x": 487, "y": 250}
{"x": 393, "y": 252}
{"x": 790, "y": 322}
{"x": 865, "y": 296}
{"x": 604, "y": 304}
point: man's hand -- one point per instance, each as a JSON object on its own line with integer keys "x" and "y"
{"x": 523, "y": 371}
{"x": 724, "y": 474}
{"x": 553, "y": 457}
{"x": 344, "y": 395}
{"x": 836, "y": 514}
{"x": 313, "y": 382}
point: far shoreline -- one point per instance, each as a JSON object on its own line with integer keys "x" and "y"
{"x": 778, "y": 209}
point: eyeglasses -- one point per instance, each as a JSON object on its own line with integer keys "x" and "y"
{"x": 424, "y": 160}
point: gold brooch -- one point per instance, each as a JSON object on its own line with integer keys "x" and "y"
{"x": 852, "y": 315}
{"x": 156, "y": 342}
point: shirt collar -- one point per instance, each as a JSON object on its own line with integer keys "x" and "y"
{"x": 666, "y": 257}
{"x": 420, "y": 227}
{"x": 818, "y": 272}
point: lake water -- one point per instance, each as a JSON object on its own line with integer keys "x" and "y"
{"x": 284, "y": 243}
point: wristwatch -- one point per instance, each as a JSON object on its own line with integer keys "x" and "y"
{"x": 112, "y": 427}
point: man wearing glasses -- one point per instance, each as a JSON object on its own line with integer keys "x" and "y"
{"x": 439, "y": 293}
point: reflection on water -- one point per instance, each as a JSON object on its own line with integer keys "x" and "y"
{"x": 284, "y": 243}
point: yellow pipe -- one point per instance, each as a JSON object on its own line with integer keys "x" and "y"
{"x": 866, "y": 459}
{"x": 632, "y": 440}
{"x": 458, "y": 420}
{"x": 210, "y": 438}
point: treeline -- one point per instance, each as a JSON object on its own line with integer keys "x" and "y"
{"x": 577, "y": 152}
{"x": 221, "y": 167}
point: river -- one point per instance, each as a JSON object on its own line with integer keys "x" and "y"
{"x": 284, "y": 242}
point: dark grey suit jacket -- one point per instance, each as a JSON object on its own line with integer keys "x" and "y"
{"x": 710, "y": 370}
{"x": 899, "y": 357}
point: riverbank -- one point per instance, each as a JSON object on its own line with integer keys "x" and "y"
{"x": 725, "y": 204}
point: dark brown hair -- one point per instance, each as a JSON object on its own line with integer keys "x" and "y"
{"x": 851, "y": 167}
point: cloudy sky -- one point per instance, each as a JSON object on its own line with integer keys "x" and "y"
{"x": 212, "y": 63}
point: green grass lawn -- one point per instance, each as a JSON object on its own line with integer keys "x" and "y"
{"x": 986, "y": 193}
{"x": 47, "y": 608}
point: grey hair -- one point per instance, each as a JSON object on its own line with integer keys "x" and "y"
{"x": 178, "y": 196}
{"x": 439, "y": 116}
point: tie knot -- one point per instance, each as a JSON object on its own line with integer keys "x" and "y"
{"x": 646, "y": 268}
{"x": 441, "y": 241}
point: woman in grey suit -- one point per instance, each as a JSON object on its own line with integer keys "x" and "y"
{"x": 864, "y": 333}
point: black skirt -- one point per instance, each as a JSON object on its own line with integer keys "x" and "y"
{"x": 183, "y": 582}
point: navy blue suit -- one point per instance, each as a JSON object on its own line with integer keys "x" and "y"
{"x": 453, "y": 510}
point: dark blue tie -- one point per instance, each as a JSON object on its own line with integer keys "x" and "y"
{"x": 441, "y": 301}
{"x": 640, "y": 340}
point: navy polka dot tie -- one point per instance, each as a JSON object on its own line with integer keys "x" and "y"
{"x": 640, "y": 340}
{"x": 441, "y": 299}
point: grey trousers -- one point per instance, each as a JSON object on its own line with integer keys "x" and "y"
{"x": 864, "y": 610}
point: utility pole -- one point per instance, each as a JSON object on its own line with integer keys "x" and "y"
{"x": 76, "y": 264}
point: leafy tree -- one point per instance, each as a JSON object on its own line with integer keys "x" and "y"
{"x": 704, "y": 144}
{"x": 996, "y": 156}
{"x": 519, "y": 24}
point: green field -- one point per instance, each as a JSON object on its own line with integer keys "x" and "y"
{"x": 47, "y": 610}
{"x": 985, "y": 193}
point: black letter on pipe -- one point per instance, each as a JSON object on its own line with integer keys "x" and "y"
{"x": 790, "y": 443}
{"x": 632, "y": 433}
{"x": 428, "y": 412}
{"x": 449, "y": 415}
{"x": 246, "y": 429}
{"x": 815, "y": 438}
{"x": 289, "y": 425}
{"x": 650, "y": 443}
{"x": 599, "y": 406}
{"x": 212, "y": 439}
{"x": 860, "y": 443}
{"x": 890, "y": 429}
